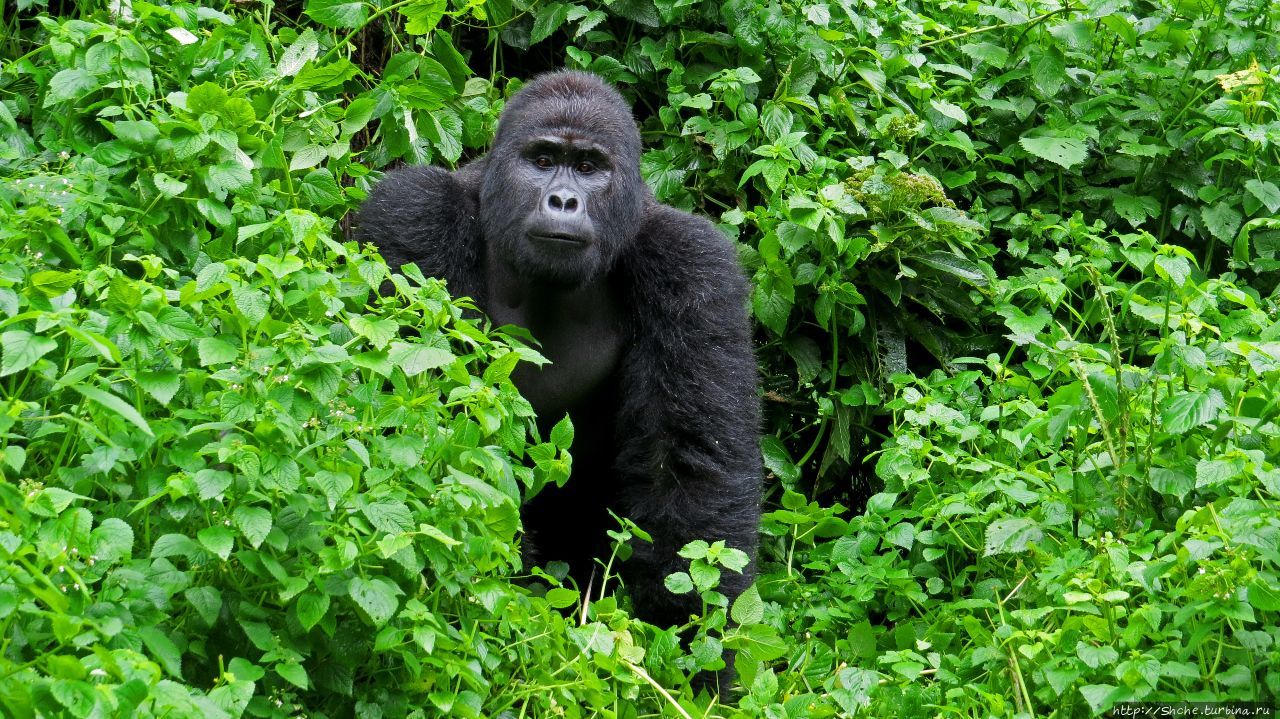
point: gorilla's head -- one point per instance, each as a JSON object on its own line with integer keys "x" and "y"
{"x": 562, "y": 192}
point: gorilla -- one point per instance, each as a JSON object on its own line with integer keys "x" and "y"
{"x": 641, "y": 309}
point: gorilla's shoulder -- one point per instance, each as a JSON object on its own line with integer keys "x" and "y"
{"x": 682, "y": 259}
{"x": 425, "y": 215}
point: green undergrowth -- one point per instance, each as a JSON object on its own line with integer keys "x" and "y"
{"x": 1013, "y": 275}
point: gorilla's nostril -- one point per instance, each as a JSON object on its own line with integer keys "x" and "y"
{"x": 571, "y": 204}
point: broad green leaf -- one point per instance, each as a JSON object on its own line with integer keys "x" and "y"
{"x": 423, "y": 15}
{"x": 679, "y": 583}
{"x": 253, "y": 522}
{"x": 310, "y": 608}
{"x": 348, "y": 14}
{"x": 1187, "y": 410}
{"x": 1266, "y": 192}
{"x": 22, "y": 349}
{"x": 748, "y": 608}
{"x": 112, "y": 540}
{"x": 1010, "y": 535}
{"x": 376, "y": 597}
{"x": 1064, "y": 151}
{"x": 214, "y": 351}
{"x": 70, "y": 84}
{"x": 1222, "y": 220}
{"x": 218, "y": 540}
{"x": 162, "y": 648}
{"x": 294, "y": 673}
{"x": 414, "y": 359}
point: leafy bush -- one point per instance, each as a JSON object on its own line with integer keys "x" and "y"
{"x": 1011, "y": 275}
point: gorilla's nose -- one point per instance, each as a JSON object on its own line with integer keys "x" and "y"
{"x": 565, "y": 201}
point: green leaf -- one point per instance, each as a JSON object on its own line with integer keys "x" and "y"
{"x": 214, "y": 351}
{"x": 22, "y": 349}
{"x": 1222, "y": 220}
{"x": 115, "y": 404}
{"x": 1187, "y": 410}
{"x": 1064, "y": 151}
{"x": 112, "y": 540}
{"x": 414, "y": 359}
{"x": 218, "y": 540}
{"x": 227, "y": 177}
{"x": 207, "y": 602}
{"x": 293, "y": 673}
{"x": 955, "y": 266}
{"x": 253, "y": 522}
{"x": 163, "y": 649}
{"x": 347, "y": 14}
{"x": 251, "y": 303}
{"x": 678, "y": 583}
{"x": 310, "y": 608}
{"x": 70, "y": 84}
{"x": 1266, "y": 192}
{"x": 562, "y": 433}
{"x": 376, "y": 597}
{"x": 547, "y": 20}
{"x": 1011, "y": 535}
{"x": 561, "y": 597}
{"x": 951, "y": 110}
{"x": 140, "y": 135}
{"x": 748, "y": 608}
{"x": 161, "y": 384}
{"x": 423, "y": 15}
{"x": 378, "y": 331}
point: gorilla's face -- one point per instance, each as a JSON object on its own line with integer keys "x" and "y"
{"x": 562, "y": 193}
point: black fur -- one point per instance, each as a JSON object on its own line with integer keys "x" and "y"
{"x": 647, "y": 329}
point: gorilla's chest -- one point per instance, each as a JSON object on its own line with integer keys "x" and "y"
{"x": 581, "y": 333}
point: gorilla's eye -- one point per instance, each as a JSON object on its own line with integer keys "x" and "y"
{"x": 586, "y": 168}
{"x": 543, "y": 161}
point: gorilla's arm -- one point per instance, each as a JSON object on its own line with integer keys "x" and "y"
{"x": 428, "y": 216}
{"x": 689, "y": 422}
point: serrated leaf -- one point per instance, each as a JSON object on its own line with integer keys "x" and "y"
{"x": 253, "y": 522}
{"x": 218, "y": 540}
{"x": 112, "y": 540}
{"x": 1267, "y": 193}
{"x": 748, "y": 608}
{"x": 955, "y": 266}
{"x": 214, "y": 351}
{"x": 1222, "y": 220}
{"x": 1187, "y": 410}
{"x": 207, "y": 602}
{"x": 390, "y": 516}
{"x": 21, "y": 349}
{"x": 376, "y": 597}
{"x": 414, "y": 359}
{"x": 349, "y": 14}
{"x": 251, "y": 303}
{"x": 548, "y": 19}
{"x": 678, "y": 583}
{"x": 305, "y": 48}
{"x": 294, "y": 673}
{"x": 951, "y": 110}
{"x": 311, "y": 608}
{"x": 1064, "y": 151}
{"x": 562, "y": 433}
{"x": 1011, "y": 535}
{"x": 70, "y": 84}
{"x": 115, "y": 404}
{"x": 161, "y": 385}
{"x": 378, "y": 331}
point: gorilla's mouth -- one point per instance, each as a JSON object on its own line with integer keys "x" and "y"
{"x": 561, "y": 239}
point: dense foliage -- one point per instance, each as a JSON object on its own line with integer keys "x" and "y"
{"x": 1014, "y": 270}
